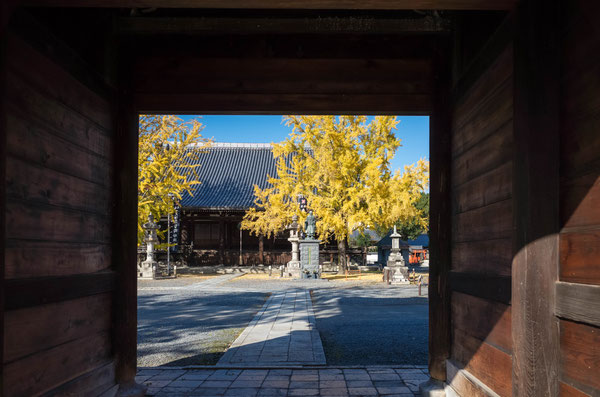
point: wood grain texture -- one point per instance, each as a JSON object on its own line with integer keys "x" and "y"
{"x": 489, "y": 154}
{"x": 465, "y": 384}
{"x": 580, "y": 201}
{"x": 483, "y": 319}
{"x": 188, "y": 75}
{"x": 93, "y": 383}
{"x": 441, "y": 221}
{"x": 64, "y": 89}
{"x": 281, "y": 4}
{"x": 489, "y": 365}
{"x": 38, "y": 328}
{"x": 486, "y": 223}
{"x": 578, "y": 302}
{"x": 48, "y": 223}
{"x": 491, "y": 257}
{"x": 570, "y": 391}
{"x": 580, "y": 257}
{"x": 495, "y": 288}
{"x": 484, "y": 190}
{"x": 536, "y": 152}
{"x": 391, "y": 104}
{"x": 486, "y": 116}
{"x": 22, "y": 293}
{"x": 46, "y": 258}
{"x": 34, "y": 183}
{"x": 46, "y": 370}
{"x": 580, "y": 353}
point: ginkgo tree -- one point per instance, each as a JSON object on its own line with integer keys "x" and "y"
{"x": 341, "y": 164}
{"x": 167, "y": 160}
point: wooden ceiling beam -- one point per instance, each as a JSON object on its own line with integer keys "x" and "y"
{"x": 321, "y": 25}
{"x": 286, "y": 4}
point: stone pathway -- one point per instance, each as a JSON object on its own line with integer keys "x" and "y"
{"x": 282, "y": 333}
{"x": 365, "y": 381}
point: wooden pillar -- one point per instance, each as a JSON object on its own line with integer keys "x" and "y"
{"x": 440, "y": 216}
{"x": 261, "y": 249}
{"x": 4, "y": 17}
{"x": 536, "y": 199}
{"x": 221, "y": 241}
{"x": 125, "y": 237}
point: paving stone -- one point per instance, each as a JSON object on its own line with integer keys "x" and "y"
{"x": 303, "y": 392}
{"x": 332, "y": 383}
{"x": 216, "y": 383}
{"x": 380, "y": 376}
{"x": 362, "y": 391}
{"x": 157, "y": 383}
{"x": 359, "y": 383}
{"x": 397, "y": 390}
{"x": 304, "y": 384}
{"x": 246, "y": 392}
{"x": 336, "y": 391}
{"x": 276, "y": 383}
{"x": 209, "y": 391}
{"x": 272, "y": 392}
{"x": 244, "y": 383}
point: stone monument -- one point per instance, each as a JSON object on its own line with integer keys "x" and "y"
{"x": 396, "y": 271}
{"x": 292, "y": 268}
{"x": 309, "y": 249}
{"x": 147, "y": 268}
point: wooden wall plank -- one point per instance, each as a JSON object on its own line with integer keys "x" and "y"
{"x": 21, "y": 293}
{"x": 496, "y": 288}
{"x": 47, "y": 223}
{"x": 580, "y": 201}
{"x": 536, "y": 198}
{"x": 486, "y": 223}
{"x": 25, "y": 60}
{"x": 188, "y": 75}
{"x": 489, "y": 154}
{"x": 489, "y": 365}
{"x": 578, "y": 302}
{"x": 465, "y": 384}
{"x": 492, "y": 257}
{"x": 570, "y": 391}
{"x": 53, "y": 152}
{"x": 580, "y": 257}
{"x": 483, "y": 319}
{"x": 38, "y": 328}
{"x": 42, "y": 258}
{"x": 285, "y": 103}
{"x": 33, "y": 183}
{"x": 486, "y": 116}
{"x": 93, "y": 383}
{"x": 46, "y": 370}
{"x": 580, "y": 353}
{"x": 484, "y": 190}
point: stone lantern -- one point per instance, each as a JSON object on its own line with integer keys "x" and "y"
{"x": 148, "y": 267}
{"x": 292, "y": 268}
{"x": 396, "y": 271}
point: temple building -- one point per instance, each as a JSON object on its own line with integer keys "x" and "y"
{"x": 207, "y": 226}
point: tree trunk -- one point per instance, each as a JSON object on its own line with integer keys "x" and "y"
{"x": 364, "y": 261}
{"x": 261, "y": 249}
{"x": 342, "y": 264}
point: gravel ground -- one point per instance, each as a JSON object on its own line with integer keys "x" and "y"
{"x": 191, "y": 326}
{"x": 377, "y": 326}
{"x": 188, "y": 322}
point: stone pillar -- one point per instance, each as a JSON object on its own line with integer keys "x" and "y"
{"x": 309, "y": 258}
{"x": 147, "y": 268}
{"x": 396, "y": 267}
{"x": 292, "y": 268}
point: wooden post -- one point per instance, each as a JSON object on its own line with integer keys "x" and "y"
{"x": 536, "y": 199}
{"x": 4, "y": 17}
{"x": 125, "y": 238}
{"x": 221, "y": 241}
{"x": 440, "y": 217}
{"x": 261, "y": 249}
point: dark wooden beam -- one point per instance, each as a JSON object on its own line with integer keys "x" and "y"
{"x": 286, "y": 4}
{"x": 578, "y": 302}
{"x": 496, "y": 288}
{"x": 20, "y": 293}
{"x": 440, "y": 216}
{"x": 124, "y": 242}
{"x": 321, "y": 25}
{"x": 5, "y": 12}
{"x": 536, "y": 198}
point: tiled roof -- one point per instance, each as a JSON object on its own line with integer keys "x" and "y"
{"x": 228, "y": 173}
{"x": 423, "y": 240}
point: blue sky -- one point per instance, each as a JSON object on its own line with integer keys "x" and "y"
{"x": 412, "y": 130}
